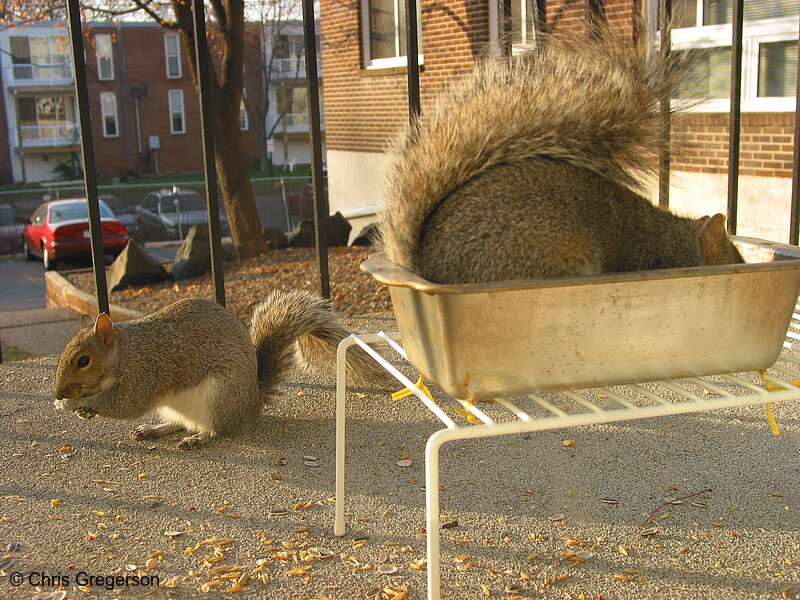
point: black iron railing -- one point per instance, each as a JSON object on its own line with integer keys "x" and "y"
{"x": 594, "y": 9}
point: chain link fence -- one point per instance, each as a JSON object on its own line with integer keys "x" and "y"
{"x": 281, "y": 203}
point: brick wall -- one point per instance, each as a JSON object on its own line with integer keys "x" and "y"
{"x": 145, "y": 65}
{"x": 767, "y": 143}
{"x": 365, "y": 108}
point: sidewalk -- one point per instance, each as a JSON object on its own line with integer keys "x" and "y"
{"x": 40, "y": 331}
{"x": 244, "y": 514}
{"x": 45, "y": 331}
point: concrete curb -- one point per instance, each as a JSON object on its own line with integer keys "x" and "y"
{"x": 60, "y": 292}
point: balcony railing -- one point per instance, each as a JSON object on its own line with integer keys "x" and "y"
{"x": 287, "y": 67}
{"x": 40, "y": 74}
{"x": 294, "y": 123}
{"x": 46, "y": 136}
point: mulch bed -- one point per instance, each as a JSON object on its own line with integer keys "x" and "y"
{"x": 248, "y": 281}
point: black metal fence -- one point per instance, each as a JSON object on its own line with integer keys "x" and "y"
{"x": 595, "y": 13}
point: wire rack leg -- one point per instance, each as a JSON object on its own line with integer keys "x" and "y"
{"x": 432, "y": 511}
{"x": 339, "y": 523}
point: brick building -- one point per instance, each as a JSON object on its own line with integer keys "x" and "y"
{"x": 366, "y": 104}
{"x": 145, "y": 113}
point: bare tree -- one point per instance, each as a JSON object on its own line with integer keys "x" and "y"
{"x": 226, "y": 54}
{"x": 276, "y": 22}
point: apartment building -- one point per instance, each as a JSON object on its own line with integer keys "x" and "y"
{"x": 366, "y": 103}
{"x": 145, "y": 112}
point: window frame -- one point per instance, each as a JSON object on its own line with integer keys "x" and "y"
{"x": 754, "y": 33}
{"x": 177, "y": 55}
{"x": 104, "y": 115}
{"x": 244, "y": 118}
{"x": 100, "y": 58}
{"x": 171, "y": 112}
{"x": 527, "y": 27}
{"x": 392, "y": 61}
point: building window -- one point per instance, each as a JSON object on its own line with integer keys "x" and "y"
{"x": 702, "y": 30}
{"x": 172, "y": 51}
{"x": 108, "y": 109}
{"x": 384, "y": 40}
{"x": 105, "y": 56}
{"x": 39, "y": 58}
{"x": 244, "y": 124}
{"x": 177, "y": 123}
{"x": 523, "y": 14}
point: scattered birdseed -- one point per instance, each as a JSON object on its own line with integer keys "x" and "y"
{"x": 556, "y": 518}
{"x": 406, "y": 462}
{"x": 277, "y": 512}
{"x": 387, "y": 569}
{"x": 649, "y": 531}
{"x": 609, "y": 501}
{"x": 173, "y": 534}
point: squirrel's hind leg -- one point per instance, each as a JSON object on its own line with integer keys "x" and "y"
{"x": 142, "y": 432}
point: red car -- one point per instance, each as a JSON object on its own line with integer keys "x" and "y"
{"x": 60, "y": 228}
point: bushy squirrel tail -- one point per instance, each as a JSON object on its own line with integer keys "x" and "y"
{"x": 592, "y": 102}
{"x": 287, "y": 325}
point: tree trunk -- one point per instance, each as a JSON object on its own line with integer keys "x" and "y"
{"x": 234, "y": 182}
{"x": 264, "y": 160}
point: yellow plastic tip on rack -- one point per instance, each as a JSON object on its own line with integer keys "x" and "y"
{"x": 771, "y": 418}
{"x": 467, "y": 414}
{"x": 405, "y": 392}
{"x": 773, "y": 387}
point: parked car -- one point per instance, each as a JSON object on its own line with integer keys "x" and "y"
{"x": 11, "y": 227}
{"x": 124, "y": 214}
{"x": 60, "y": 228}
{"x": 168, "y": 214}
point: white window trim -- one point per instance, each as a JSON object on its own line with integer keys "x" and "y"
{"x": 243, "y": 113}
{"x": 177, "y": 53}
{"x": 104, "y": 114}
{"x": 99, "y": 58}
{"x": 171, "y": 112}
{"x": 755, "y": 33}
{"x": 394, "y": 61}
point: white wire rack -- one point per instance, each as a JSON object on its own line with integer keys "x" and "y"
{"x": 553, "y": 411}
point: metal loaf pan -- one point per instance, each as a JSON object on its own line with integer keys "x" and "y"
{"x": 487, "y": 340}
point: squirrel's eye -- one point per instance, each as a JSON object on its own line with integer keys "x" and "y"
{"x": 83, "y": 361}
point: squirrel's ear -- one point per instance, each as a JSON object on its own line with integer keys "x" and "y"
{"x": 713, "y": 237}
{"x": 86, "y": 321}
{"x": 104, "y": 329}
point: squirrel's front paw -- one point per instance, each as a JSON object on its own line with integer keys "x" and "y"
{"x": 85, "y": 413}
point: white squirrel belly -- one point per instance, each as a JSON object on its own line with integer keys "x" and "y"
{"x": 190, "y": 407}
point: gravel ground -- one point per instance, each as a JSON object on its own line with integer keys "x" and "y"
{"x": 246, "y": 517}
{"x": 80, "y": 497}
{"x": 353, "y": 292}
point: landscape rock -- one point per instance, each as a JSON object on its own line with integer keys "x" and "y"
{"x": 275, "y": 238}
{"x": 194, "y": 255}
{"x": 338, "y": 232}
{"x": 367, "y": 236}
{"x": 134, "y": 266}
